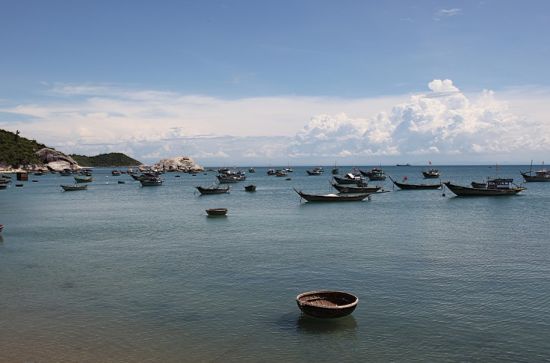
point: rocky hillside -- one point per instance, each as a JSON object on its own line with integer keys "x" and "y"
{"x": 16, "y": 150}
{"x": 105, "y": 160}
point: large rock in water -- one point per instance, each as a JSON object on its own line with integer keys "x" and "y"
{"x": 56, "y": 160}
{"x": 179, "y": 163}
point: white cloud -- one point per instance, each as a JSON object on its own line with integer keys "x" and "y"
{"x": 447, "y": 13}
{"x": 148, "y": 124}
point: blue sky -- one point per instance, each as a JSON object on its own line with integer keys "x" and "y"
{"x": 242, "y": 50}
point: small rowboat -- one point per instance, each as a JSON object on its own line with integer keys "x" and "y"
{"x": 121, "y": 182}
{"x": 212, "y": 190}
{"x": 250, "y": 188}
{"x": 327, "y": 304}
{"x": 216, "y": 211}
{"x": 71, "y": 188}
{"x": 1, "y": 227}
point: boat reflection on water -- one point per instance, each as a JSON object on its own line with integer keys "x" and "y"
{"x": 303, "y": 324}
{"x": 312, "y": 325}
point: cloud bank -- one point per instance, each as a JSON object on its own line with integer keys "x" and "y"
{"x": 443, "y": 124}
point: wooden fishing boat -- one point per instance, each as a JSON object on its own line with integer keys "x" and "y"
{"x": 216, "y": 211}
{"x": 115, "y": 173}
{"x": 495, "y": 187}
{"x": 542, "y": 175}
{"x": 538, "y": 176}
{"x": 281, "y": 173}
{"x": 327, "y": 304}
{"x": 151, "y": 182}
{"x": 75, "y": 187}
{"x": 349, "y": 178}
{"x": 351, "y": 189}
{"x": 230, "y": 178}
{"x": 375, "y": 174}
{"x": 83, "y": 179}
{"x": 250, "y": 188}
{"x": 315, "y": 171}
{"x": 212, "y": 190}
{"x": 431, "y": 174}
{"x": 340, "y": 197}
{"x": 407, "y": 186}
{"x": 271, "y": 172}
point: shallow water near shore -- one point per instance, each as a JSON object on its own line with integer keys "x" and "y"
{"x": 124, "y": 273}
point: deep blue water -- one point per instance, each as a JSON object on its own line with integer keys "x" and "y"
{"x": 124, "y": 273}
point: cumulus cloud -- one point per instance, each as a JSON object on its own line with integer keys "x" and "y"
{"x": 443, "y": 123}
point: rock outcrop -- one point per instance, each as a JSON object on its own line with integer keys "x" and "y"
{"x": 56, "y": 160}
{"x": 179, "y": 163}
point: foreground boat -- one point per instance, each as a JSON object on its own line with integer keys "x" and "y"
{"x": 495, "y": 187}
{"x": 216, "y": 211}
{"x": 340, "y": 197}
{"x": 250, "y": 188}
{"x": 72, "y": 188}
{"x": 327, "y": 304}
{"x": 407, "y": 186}
{"x": 212, "y": 190}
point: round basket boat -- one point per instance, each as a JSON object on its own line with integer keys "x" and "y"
{"x": 216, "y": 211}
{"x": 327, "y": 304}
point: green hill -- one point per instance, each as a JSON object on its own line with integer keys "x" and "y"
{"x": 16, "y": 150}
{"x": 105, "y": 160}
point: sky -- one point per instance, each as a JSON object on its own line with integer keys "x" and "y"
{"x": 280, "y": 82}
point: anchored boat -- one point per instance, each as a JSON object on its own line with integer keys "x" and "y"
{"x": 340, "y": 197}
{"x": 216, "y": 189}
{"x": 327, "y": 304}
{"x": 494, "y": 187}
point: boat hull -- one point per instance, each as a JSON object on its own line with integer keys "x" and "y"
{"x": 535, "y": 178}
{"x": 405, "y": 186}
{"x": 354, "y": 189}
{"x": 72, "y": 188}
{"x": 209, "y": 191}
{"x": 462, "y": 191}
{"x": 343, "y": 197}
{"x": 216, "y": 211}
{"x": 327, "y": 304}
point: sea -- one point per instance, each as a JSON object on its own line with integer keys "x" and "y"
{"x": 124, "y": 273}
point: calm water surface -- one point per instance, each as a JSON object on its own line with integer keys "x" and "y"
{"x": 121, "y": 273}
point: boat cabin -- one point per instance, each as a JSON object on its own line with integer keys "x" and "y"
{"x": 499, "y": 183}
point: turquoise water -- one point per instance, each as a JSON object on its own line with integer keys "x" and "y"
{"x": 124, "y": 273}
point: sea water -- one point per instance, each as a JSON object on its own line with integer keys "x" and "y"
{"x": 124, "y": 273}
